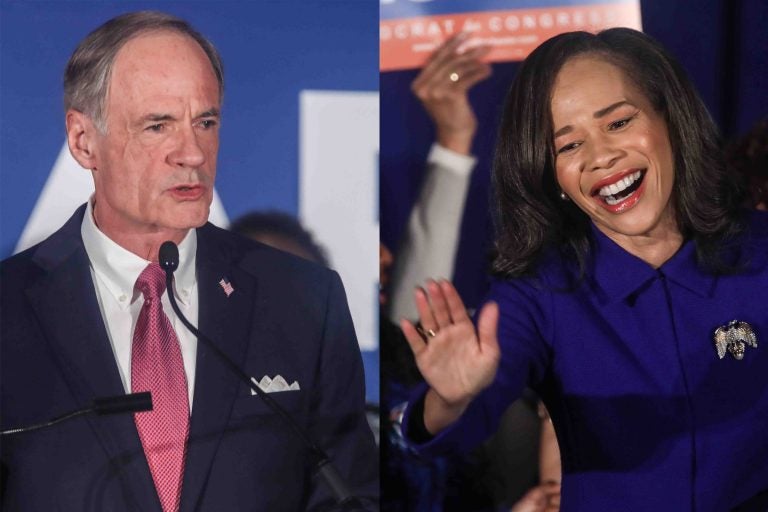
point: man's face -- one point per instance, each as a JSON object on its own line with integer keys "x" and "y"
{"x": 156, "y": 164}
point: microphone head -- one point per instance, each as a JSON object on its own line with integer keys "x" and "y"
{"x": 169, "y": 257}
{"x": 134, "y": 402}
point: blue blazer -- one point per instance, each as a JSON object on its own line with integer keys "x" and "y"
{"x": 648, "y": 417}
{"x": 286, "y": 316}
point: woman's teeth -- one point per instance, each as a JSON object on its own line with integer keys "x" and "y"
{"x": 615, "y": 192}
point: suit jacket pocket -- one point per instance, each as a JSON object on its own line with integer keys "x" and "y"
{"x": 252, "y": 405}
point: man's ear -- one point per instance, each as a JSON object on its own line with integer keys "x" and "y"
{"x": 81, "y": 138}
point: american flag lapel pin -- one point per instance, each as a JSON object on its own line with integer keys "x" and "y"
{"x": 226, "y": 286}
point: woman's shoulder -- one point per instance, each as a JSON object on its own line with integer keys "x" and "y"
{"x": 552, "y": 273}
{"x": 756, "y": 240}
{"x": 757, "y": 224}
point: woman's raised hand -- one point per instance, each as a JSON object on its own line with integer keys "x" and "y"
{"x": 455, "y": 359}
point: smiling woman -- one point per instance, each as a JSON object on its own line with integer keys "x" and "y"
{"x": 623, "y": 98}
{"x": 615, "y": 162}
{"x": 624, "y": 264}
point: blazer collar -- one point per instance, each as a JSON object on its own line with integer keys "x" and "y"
{"x": 619, "y": 274}
{"x": 226, "y": 319}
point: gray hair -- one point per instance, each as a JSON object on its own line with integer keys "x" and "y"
{"x": 86, "y": 78}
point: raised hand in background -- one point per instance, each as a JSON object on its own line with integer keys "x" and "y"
{"x": 442, "y": 87}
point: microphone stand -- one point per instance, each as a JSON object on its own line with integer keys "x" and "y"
{"x": 169, "y": 262}
{"x": 134, "y": 402}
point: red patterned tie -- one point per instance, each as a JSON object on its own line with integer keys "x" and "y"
{"x": 157, "y": 366}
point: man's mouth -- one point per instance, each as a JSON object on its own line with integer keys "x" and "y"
{"x": 188, "y": 192}
{"x": 619, "y": 190}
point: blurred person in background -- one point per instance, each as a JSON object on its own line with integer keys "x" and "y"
{"x": 281, "y": 231}
{"x": 503, "y": 470}
{"x": 748, "y": 156}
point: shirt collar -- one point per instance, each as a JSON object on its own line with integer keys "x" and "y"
{"x": 118, "y": 269}
{"x": 620, "y": 274}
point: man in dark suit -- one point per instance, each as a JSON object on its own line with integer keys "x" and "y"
{"x": 85, "y": 314}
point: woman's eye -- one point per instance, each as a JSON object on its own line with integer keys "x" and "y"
{"x": 621, "y": 123}
{"x": 568, "y": 147}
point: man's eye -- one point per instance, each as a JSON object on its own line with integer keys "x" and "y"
{"x": 208, "y": 123}
{"x": 157, "y": 128}
{"x": 568, "y": 147}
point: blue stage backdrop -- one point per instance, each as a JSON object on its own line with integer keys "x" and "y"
{"x": 280, "y": 57}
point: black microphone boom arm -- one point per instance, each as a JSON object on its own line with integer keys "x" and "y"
{"x": 169, "y": 262}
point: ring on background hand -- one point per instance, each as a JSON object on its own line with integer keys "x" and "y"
{"x": 454, "y": 77}
{"x": 431, "y": 333}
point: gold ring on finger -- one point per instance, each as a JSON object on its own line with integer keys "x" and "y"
{"x": 431, "y": 333}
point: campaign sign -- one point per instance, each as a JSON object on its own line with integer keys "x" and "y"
{"x": 410, "y": 30}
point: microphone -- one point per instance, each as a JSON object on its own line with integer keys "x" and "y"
{"x": 134, "y": 402}
{"x": 169, "y": 261}
{"x": 168, "y": 257}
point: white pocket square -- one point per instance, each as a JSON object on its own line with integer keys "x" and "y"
{"x": 274, "y": 385}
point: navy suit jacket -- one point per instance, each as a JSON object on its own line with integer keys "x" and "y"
{"x": 286, "y": 316}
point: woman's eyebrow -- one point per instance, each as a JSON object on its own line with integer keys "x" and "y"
{"x": 610, "y": 108}
{"x": 597, "y": 115}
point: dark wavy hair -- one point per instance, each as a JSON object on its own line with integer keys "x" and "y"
{"x": 530, "y": 216}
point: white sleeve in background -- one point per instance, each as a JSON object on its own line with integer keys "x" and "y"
{"x": 432, "y": 238}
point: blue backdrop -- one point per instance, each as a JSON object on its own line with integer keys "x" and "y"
{"x": 271, "y": 50}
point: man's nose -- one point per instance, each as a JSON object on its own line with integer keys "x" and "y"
{"x": 188, "y": 151}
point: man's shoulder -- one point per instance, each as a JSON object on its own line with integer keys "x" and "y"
{"x": 47, "y": 253}
{"x": 259, "y": 259}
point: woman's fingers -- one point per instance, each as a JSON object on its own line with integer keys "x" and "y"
{"x": 542, "y": 498}
{"x": 456, "y": 308}
{"x": 487, "y": 327}
{"x": 415, "y": 340}
{"x": 439, "y": 305}
{"x": 426, "y": 318}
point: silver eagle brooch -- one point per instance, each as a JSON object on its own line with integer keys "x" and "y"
{"x": 733, "y": 337}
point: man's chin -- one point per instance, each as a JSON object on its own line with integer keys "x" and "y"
{"x": 184, "y": 219}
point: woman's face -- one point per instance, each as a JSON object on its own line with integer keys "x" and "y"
{"x": 612, "y": 153}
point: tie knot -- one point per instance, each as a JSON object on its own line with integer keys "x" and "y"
{"x": 151, "y": 282}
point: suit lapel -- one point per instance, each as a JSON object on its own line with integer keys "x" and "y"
{"x": 65, "y": 302}
{"x": 226, "y": 320}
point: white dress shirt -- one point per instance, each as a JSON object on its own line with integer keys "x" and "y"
{"x": 114, "y": 271}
